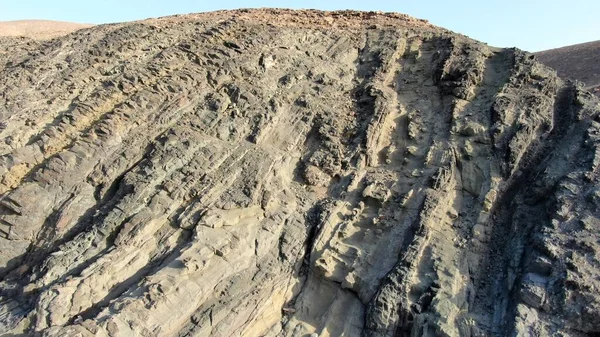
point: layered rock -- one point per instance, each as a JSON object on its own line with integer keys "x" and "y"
{"x": 284, "y": 173}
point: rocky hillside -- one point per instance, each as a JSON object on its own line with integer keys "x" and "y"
{"x": 283, "y": 173}
{"x": 578, "y": 62}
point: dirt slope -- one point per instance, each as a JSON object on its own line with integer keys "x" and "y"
{"x": 578, "y": 62}
{"x": 38, "y": 29}
{"x": 294, "y": 173}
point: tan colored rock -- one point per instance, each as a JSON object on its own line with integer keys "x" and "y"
{"x": 293, "y": 173}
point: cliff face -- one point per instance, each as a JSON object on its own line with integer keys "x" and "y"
{"x": 281, "y": 173}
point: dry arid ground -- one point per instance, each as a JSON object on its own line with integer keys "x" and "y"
{"x": 578, "y": 62}
{"x": 291, "y": 174}
{"x": 38, "y": 29}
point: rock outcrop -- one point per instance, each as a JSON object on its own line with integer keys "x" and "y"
{"x": 294, "y": 173}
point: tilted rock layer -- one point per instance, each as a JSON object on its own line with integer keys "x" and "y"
{"x": 281, "y": 173}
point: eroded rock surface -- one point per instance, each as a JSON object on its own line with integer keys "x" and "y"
{"x": 282, "y": 173}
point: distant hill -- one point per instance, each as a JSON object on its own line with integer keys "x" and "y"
{"x": 580, "y": 62}
{"x": 39, "y": 29}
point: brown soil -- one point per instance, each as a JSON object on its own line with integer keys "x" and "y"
{"x": 579, "y": 62}
{"x": 39, "y": 29}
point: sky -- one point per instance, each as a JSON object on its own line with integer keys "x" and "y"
{"x": 531, "y": 25}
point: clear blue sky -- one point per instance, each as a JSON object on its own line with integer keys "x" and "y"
{"x": 528, "y": 24}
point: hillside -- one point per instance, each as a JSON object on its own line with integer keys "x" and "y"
{"x": 578, "y": 62}
{"x": 294, "y": 173}
{"x": 38, "y": 29}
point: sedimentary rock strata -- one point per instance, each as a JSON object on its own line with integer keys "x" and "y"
{"x": 294, "y": 173}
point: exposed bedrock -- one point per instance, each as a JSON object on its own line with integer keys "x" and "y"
{"x": 294, "y": 173}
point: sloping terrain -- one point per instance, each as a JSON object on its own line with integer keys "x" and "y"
{"x": 38, "y": 29}
{"x": 294, "y": 173}
{"x": 577, "y": 62}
